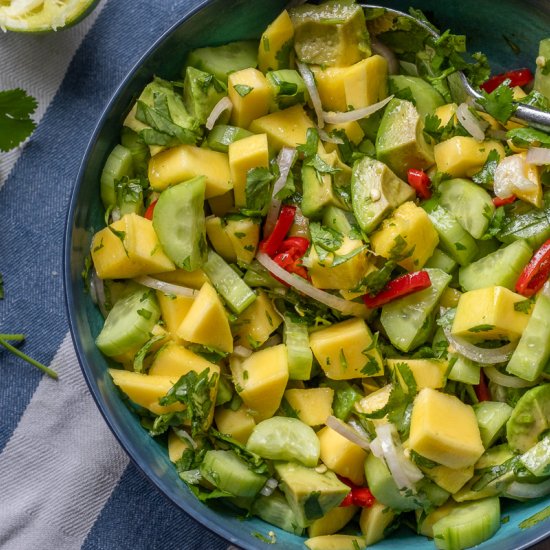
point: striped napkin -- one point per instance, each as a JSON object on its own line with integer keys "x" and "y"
{"x": 65, "y": 483}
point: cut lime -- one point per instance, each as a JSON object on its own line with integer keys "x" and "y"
{"x": 42, "y": 15}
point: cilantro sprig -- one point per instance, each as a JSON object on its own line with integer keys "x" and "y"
{"x": 16, "y": 124}
{"x": 4, "y": 341}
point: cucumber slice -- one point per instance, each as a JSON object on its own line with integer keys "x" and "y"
{"x": 470, "y": 204}
{"x": 222, "y": 136}
{"x": 491, "y": 419}
{"x": 426, "y": 98}
{"x": 300, "y": 357}
{"x": 441, "y": 260}
{"x": 119, "y": 163}
{"x": 537, "y": 458}
{"x": 228, "y": 472}
{"x": 287, "y": 87}
{"x": 345, "y": 397}
{"x": 468, "y": 524}
{"x": 275, "y": 510}
{"x": 464, "y": 370}
{"x": 500, "y": 268}
{"x": 179, "y": 221}
{"x": 129, "y": 323}
{"x": 138, "y": 148}
{"x": 281, "y": 438}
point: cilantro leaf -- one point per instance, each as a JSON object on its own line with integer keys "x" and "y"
{"x": 16, "y": 108}
{"x": 258, "y": 189}
{"x": 309, "y": 148}
{"x": 254, "y": 462}
{"x": 325, "y": 240}
{"x": 499, "y": 103}
{"x": 528, "y": 137}
{"x": 242, "y": 89}
{"x": 486, "y": 175}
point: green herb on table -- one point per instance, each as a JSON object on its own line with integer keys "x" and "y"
{"x": 4, "y": 341}
{"x": 16, "y": 125}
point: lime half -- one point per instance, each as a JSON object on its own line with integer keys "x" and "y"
{"x": 42, "y": 15}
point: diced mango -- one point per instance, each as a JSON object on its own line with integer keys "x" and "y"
{"x": 407, "y": 233}
{"x": 191, "y": 279}
{"x": 374, "y": 520}
{"x": 221, "y": 204}
{"x": 250, "y": 94}
{"x": 426, "y": 521}
{"x": 345, "y": 276}
{"x": 450, "y": 479}
{"x": 450, "y": 297}
{"x": 176, "y": 446}
{"x": 313, "y": 405}
{"x": 463, "y": 156}
{"x": 286, "y": 128}
{"x": 146, "y": 389}
{"x": 244, "y": 235}
{"x": 185, "y": 162}
{"x": 174, "y": 360}
{"x": 342, "y": 456}
{"x": 275, "y": 42}
{"x": 128, "y": 248}
{"x": 174, "y": 309}
{"x": 238, "y": 424}
{"x": 445, "y": 112}
{"x": 375, "y": 400}
{"x": 428, "y": 373}
{"x": 207, "y": 312}
{"x": 219, "y": 239}
{"x": 489, "y": 314}
{"x": 260, "y": 380}
{"x": 523, "y": 179}
{"x": 444, "y": 429}
{"x": 256, "y": 323}
{"x": 344, "y": 350}
{"x": 352, "y": 129}
{"x": 332, "y": 522}
{"x": 353, "y": 87}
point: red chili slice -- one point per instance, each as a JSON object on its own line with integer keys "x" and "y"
{"x": 150, "y": 209}
{"x": 420, "y": 182}
{"x": 399, "y": 287}
{"x": 482, "y": 389}
{"x": 358, "y": 496}
{"x": 497, "y": 201}
{"x": 270, "y": 245}
{"x": 518, "y": 77}
{"x": 536, "y": 272}
{"x": 297, "y": 245}
{"x": 290, "y": 263}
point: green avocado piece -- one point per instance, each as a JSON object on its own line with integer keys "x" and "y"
{"x": 375, "y": 192}
{"x": 310, "y": 494}
{"x": 201, "y": 92}
{"x": 400, "y": 141}
{"x": 426, "y": 98}
{"x": 333, "y": 34}
{"x": 542, "y": 74}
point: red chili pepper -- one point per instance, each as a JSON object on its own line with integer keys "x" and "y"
{"x": 536, "y": 272}
{"x": 482, "y": 389}
{"x": 271, "y": 244}
{"x": 150, "y": 209}
{"x": 518, "y": 77}
{"x": 297, "y": 245}
{"x": 288, "y": 261}
{"x": 420, "y": 182}
{"x": 401, "y": 286}
{"x": 497, "y": 201}
{"x": 358, "y": 496}
{"x": 348, "y": 500}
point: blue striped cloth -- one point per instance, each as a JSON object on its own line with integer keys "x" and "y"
{"x": 64, "y": 481}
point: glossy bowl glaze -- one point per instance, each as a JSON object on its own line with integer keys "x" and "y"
{"x": 518, "y": 22}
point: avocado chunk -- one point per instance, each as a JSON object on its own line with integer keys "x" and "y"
{"x": 426, "y": 98}
{"x": 542, "y": 74}
{"x": 400, "y": 141}
{"x": 201, "y": 92}
{"x": 333, "y": 34}
{"x": 310, "y": 494}
{"x": 375, "y": 191}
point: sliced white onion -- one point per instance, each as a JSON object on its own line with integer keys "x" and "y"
{"x": 485, "y": 356}
{"x": 528, "y": 490}
{"x": 224, "y": 104}
{"x": 270, "y": 486}
{"x": 284, "y": 161}
{"x": 539, "y": 156}
{"x": 347, "y": 431}
{"x": 182, "y": 434}
{"x": 387, "y": 54}
{"x": 115, "y": 214}
{"x": 330, "y": 139}
{"x": 309, "y": 80}
{"x": 167, "y": 288}
{"x": 475, "y": 127}
{"x": 508, "y": 175}
{"x": 344, "y": 306}
{"x": 242, "y": 352}
{"x": 494, "y": 375}
{"x": 357, "y": 114}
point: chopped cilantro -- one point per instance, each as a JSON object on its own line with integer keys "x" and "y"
{"x": 528, "y": 137}
{"x": 242, "y": 89}
{"x": 481, "y": 328}
{"x": 259, "y": 183}
{"x": 524, "y": 306}
{"x": 499, "y": 103}
{"x": 16, "y": 108}
{"x": 486, "y": 175}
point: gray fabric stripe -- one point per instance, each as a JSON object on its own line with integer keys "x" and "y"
{"x": 60, "y": 465}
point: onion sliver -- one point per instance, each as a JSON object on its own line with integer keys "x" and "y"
{"x": 242, "y": 352}
{"x": 476, "y": 128}
{"x": 528, "y": 490}
{"x": 269, "y": 487}
{"x": 295, "y": 281}
{"x": 309, "y": 81}
{"x": 506, "y": 380}
{"x": 347, "y": 431}
{"x": 539, "y": 156}
{"x": 330, "y": 139}
{"x": 357, "y": 114}
{"x": 485, "y": 356}
{"x": 284, "y": 161}
{"x": 167, "y": 288}
{"x": 97, "y": 290}
{"x": 387, "y": 54}
{"x": 224, "y": 104}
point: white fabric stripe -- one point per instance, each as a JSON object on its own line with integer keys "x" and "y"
{"x": 37, "y": 63}
{"x": 60, "y": 465}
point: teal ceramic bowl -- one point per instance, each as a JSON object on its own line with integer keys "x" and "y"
{"x": 490, "y": 26}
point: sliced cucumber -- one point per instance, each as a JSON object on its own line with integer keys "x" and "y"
{"x": 345, "y": 397}
{"x": 228, "y": 472}
{"x": 129, "y": 323}
{"x": 119, "y": 163}
{"x": 138, "y": 148}
{"x": 468, "y": 524}
{"x": 281, "y": 438}
{"x": 426, "y": 98}
{"x": 275, "y": 510}
{"x": 491, "y": 419}
{"x": 300, "y": 357}
{"x": 500, "y": 268}
{"x": 441, "y": 260}
{"x": 464, "y": 370}
{"x": 537, "y": 458}
{"x": 222, "y": 136}
{"x": 339, "y": 220}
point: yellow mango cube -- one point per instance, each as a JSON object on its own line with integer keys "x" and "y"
{"x": 489, "y": 314}
{"x": 353, "y": 87}
{"x": 221, "y": 204}
{"x": 206, "y": 322}
{"x": 256, "y": 323}
{"x": 238, "y": 424}
{"x": 190, "y": 279}
{"x": 446, "y": 112}
{"x": 411, "y": 225}
{"x": 444, "y": 429}
{"x": 260, "y": 380}
{"x": 176, "y": 446}
{"x": 128, "y": 248}
{"x": 313, "y": 405}
{"x": 250, "y": 94}
{"x": 245, "y": 154}
{"x": 332, "y": 521}
{"x": 343, "y": 351}
{"x": 175, "y": 361}
{"x": 184, "y": 162}
{"x": 219, "y": 239}
{"x": 286, "y": 128}
{"x": 374, "y": 520}
{"x": 428, "y": 373}
{"x": 342, "y": 456}
{"x": 244, "y": 235}
{"x": 463, "y": 156}
{"x": 275, "y": 41}
{"x": 174, "y": 309}
{"x": 450, "y": 479}
{"x": 352, "y": 129}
